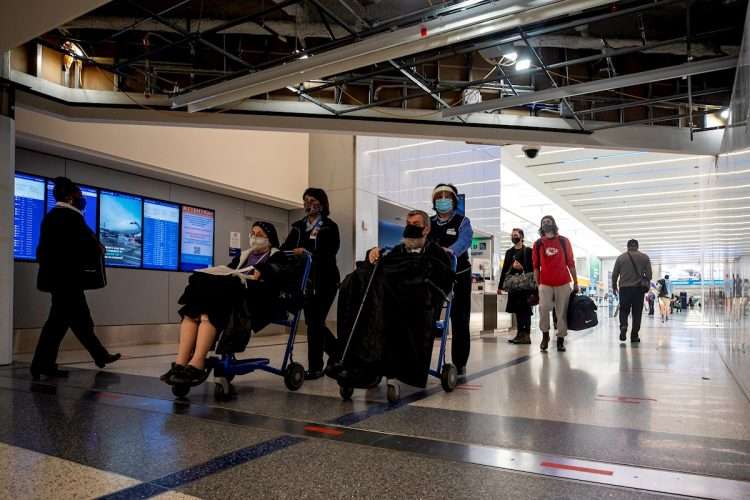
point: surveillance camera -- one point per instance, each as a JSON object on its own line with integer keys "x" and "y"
{"x": 531, "y": 151}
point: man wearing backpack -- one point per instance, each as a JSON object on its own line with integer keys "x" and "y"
{"x": 554, "y": 266}
{"x": 663, "y": 287}
{"x": 631, "y": 277}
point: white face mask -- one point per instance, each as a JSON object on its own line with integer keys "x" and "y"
{"x": 258, "y": 243}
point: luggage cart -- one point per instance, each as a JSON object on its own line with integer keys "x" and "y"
{"x": 228, "y": 366}
{"x": 446, "y": 372}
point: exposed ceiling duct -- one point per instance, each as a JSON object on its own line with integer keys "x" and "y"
{"x": 461, "y": 26}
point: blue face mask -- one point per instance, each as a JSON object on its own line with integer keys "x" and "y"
{"x": 444, "y": 205}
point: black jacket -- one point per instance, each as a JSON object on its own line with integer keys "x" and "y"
{"x": 324, "y": 246}
{"x": 67, "y": 247}
{"x": 522, "y": 255}
{"x": 396, "y": 330}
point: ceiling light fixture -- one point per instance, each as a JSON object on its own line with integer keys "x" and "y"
{"x": 697, "y": 220}
{"x": 661, "y": 193}
{"x": 662, "y": 214}
{"x": 454, "y": 165}
{"x": 665, "y": 204}
{"x": 523, "y": 64}
{"x": 623, "y": 165}
{"x": 652, "y": 180}
{"x": 405, "y": 146}
{"x": 725, "y": 114}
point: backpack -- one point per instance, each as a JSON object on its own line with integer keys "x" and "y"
{"x": 581, "y": 313}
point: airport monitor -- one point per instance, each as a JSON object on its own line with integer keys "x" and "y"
{"x": 120, "y": 228}
{"x": 161, "y": 235}
{"x": 92, "y": 202}
{"x": 197, "y": 245}
{"x": 28, "y": 212}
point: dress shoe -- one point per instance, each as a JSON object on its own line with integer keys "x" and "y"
{"x": 561, "y": 344}
{"x": 635, "y": 339}
{"x": 51, "y": 373}
{"x": 545, "y": 341}
{"x": 623, "y": 335}
{"x": 313, "y": 374}
{"x": 109, "y": 358}
{"x": 523, "y": 339}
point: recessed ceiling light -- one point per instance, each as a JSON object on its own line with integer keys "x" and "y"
{"x": 523, "y": 64}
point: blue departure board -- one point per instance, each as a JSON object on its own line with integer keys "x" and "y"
{"x": 92, "y": 203}
{"x": 197, "y": 245}
{"x": 161, "y": 233}
{"x": 28, "y": 212}
{"x": 120, "y": 228}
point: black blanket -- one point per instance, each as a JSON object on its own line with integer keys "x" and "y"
{"x": 395, "y": 333}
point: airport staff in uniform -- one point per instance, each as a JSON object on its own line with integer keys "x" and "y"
{"x": 453, "y": 232}
{"x": 318, "y": 235}
{"x": 70, "y": 260}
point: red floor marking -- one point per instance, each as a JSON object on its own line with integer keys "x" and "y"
{"x": 104, "y": 395}
{"x": 619, "y": 400}
{"x": 323, "y": 430}
{"x": 576, "y": 468}
{"x": 626, "y": 397}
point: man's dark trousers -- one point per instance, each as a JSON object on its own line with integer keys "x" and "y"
{"x": 631, "y": 299}
{"x": 69, "y": 310}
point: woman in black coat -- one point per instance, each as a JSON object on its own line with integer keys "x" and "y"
{"x": 319, "y": 236}
{"x": 209, "y": 300}
{"x": 518, "y": 260}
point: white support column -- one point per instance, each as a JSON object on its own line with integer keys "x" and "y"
{"x": 7, "y": 169}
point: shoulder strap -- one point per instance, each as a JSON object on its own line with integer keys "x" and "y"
{"x": 632, "y": 261}
{"x": 564, "y": 245}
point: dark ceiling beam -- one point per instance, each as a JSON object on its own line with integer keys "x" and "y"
{"x": 216, "y": 29}
{"x": 141, "y": 21}
{"x": 655, "y": 100}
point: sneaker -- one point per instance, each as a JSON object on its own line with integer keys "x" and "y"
{"x": 545, "y": 341}
{"x": 561, "y": 344}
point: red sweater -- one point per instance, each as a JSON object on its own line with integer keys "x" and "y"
{"x": 549, "y": 258}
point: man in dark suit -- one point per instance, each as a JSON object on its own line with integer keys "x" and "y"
{"x": 67, "y": 251}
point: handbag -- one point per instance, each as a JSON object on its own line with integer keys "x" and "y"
{"x": 520, "y": 282}
{"x": 645, "y": 282}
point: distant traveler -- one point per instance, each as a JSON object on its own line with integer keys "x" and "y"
{"x": 453, "y": 232}
{"x": 554, "y": 267}
{"x": 317, "y": 234}
{"x": 631, "y": 276}
{"x": 209, "y": 301}
{"x": 518, "y": 261}
{"x": 663, "y": 288}
{"x": 70, "y": 261}
{"x": 650, "y": 298}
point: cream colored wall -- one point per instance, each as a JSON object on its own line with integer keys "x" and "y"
{"x": 265, "y": 165}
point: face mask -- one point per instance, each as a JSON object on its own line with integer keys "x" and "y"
{"x": 548, "y": 229}
{"x": 312, "y": 209}
{"x": 79, "y": 203}
{"x": 444, "y": 205}
{"x": 413, "y": 231}
{"x": 515, "y": 240}
{"x": 258, "y": 243}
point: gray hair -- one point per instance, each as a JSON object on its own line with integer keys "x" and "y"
{"x": 421, "y": 213}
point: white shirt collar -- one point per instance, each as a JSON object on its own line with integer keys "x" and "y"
{"x": 67, "y": 205}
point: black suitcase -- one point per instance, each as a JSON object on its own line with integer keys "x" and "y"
{"x": 581, "y": 313}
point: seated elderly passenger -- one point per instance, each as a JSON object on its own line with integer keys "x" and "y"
{"x": 395, "y": 332}
{"x": 254, "y": 286}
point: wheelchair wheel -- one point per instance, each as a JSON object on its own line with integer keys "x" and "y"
{"x": 394, "y": 392}
{"x": 346, "y": 393}
{"x": 294, "y": 376}
{"x": 222, "y": 389}
{"x": 449, "y": 377}
{"x": 180, "y": 390}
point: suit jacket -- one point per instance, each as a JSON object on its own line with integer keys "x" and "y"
{"x": 67, "y": 246}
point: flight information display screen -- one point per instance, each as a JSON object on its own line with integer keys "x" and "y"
{"x": 161, "y": 234}
{"x": 92, "y": 203}
{"x": 197, "y": 245}
{"x": 120, "y": 228}
{"x": 28, "y": 212}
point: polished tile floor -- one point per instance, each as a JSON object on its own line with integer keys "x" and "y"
{"x": 667, "y": 417}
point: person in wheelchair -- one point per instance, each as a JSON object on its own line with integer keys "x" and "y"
{"x": 395, "y": 333}
{"x": 249, "y": 298}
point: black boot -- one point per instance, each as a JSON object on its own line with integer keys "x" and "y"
{"x": 560, "y": 344}
{"x": 545, "y": 341}
{"x": 523, "y": 338}
{"x": 514, "y": 340}
{"x": 623, "y": 334}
